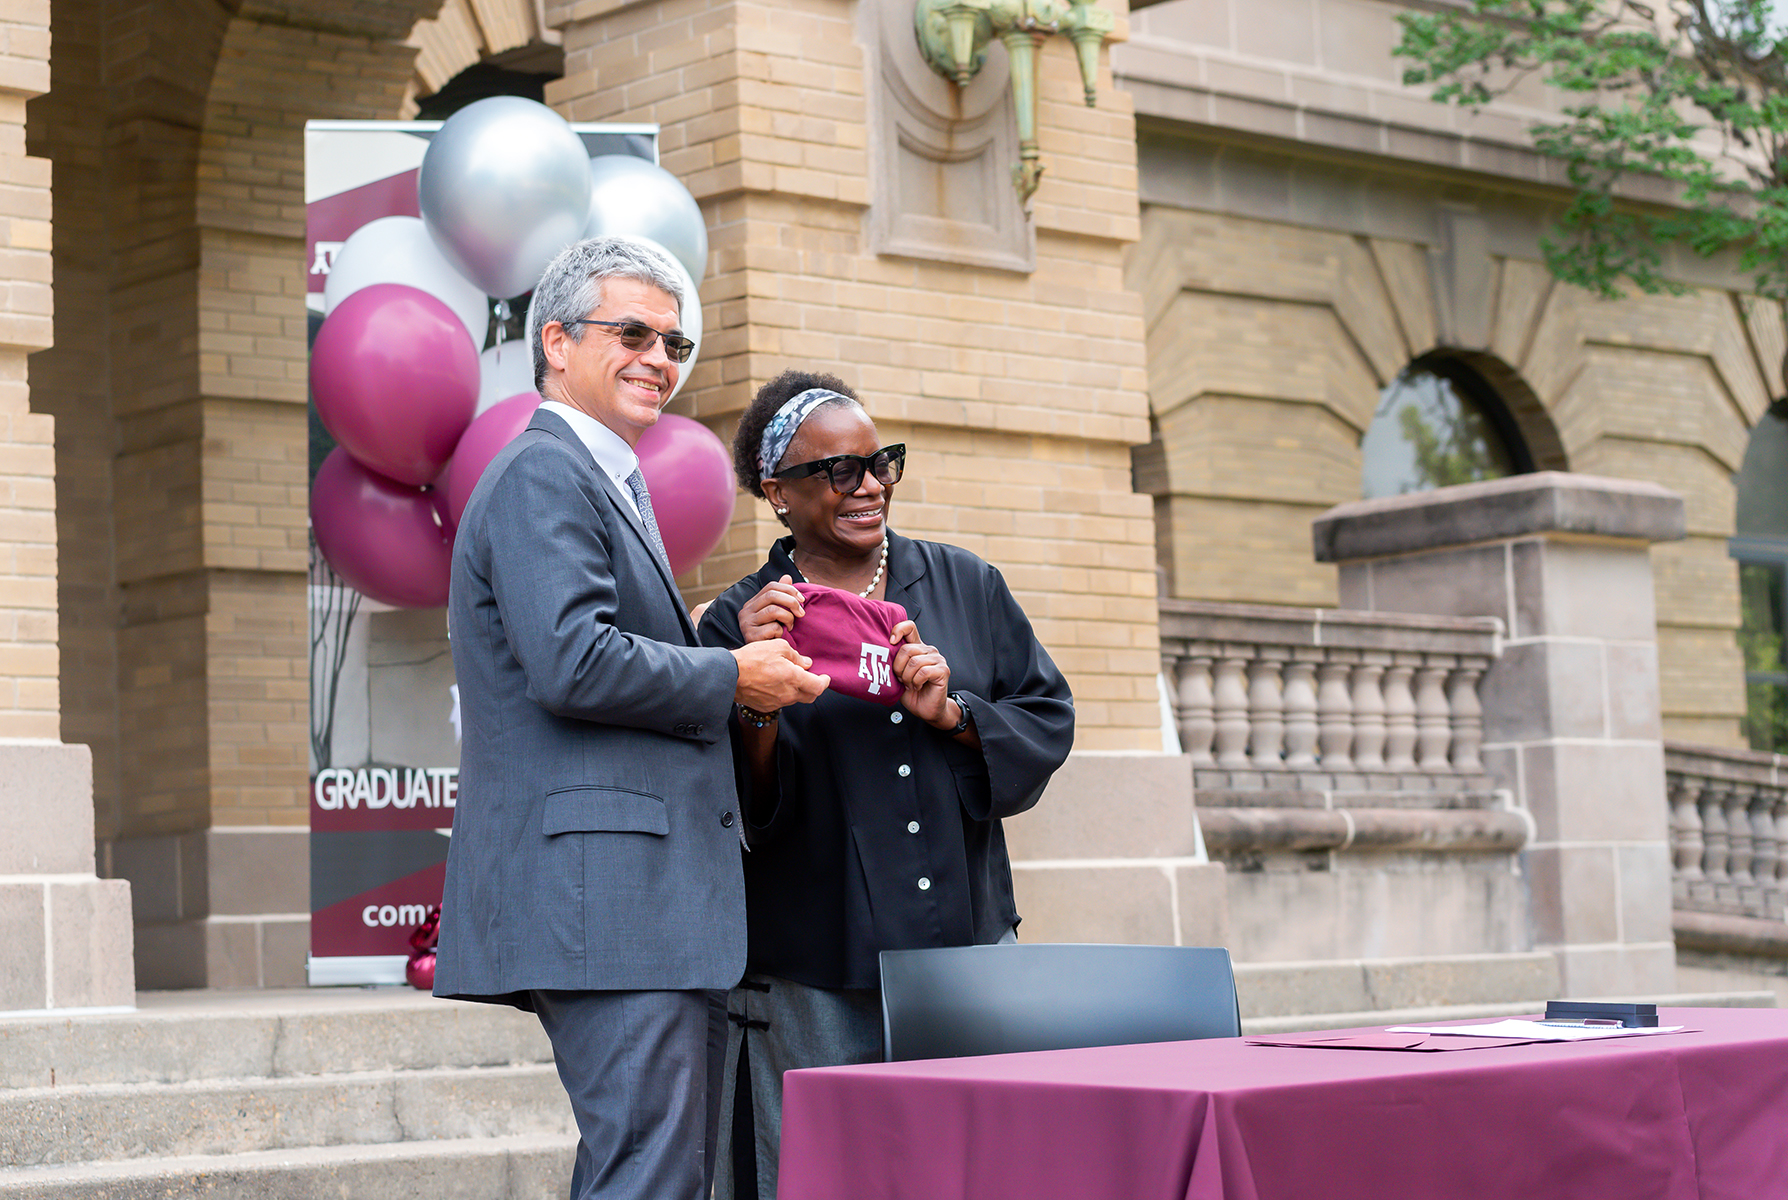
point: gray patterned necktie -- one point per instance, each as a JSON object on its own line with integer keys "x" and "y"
{"x": 636, "y": 483}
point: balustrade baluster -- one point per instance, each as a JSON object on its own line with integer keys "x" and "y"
{"x": 1197, "y": 714}
{"x": 1686, "y": 846}
{"x": 1713, "y": 833}
{"x": 1300, "y": 714}
{"x": 1467, "y": 716}
{"x": 1266, "y": 715}
{"x": 1368, "y": 716}
{"x": 1763, "y": 842}
{"x": 1780, "y": 810}
{"x": 1738, "y": 835}
{"x": 1229, "y": 699}
{"x": 1334, "y": 716}
{"x": 1399, "y": 719}
{"x": 1433, "y": 729}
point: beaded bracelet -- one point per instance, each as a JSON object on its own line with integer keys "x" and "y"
{"x": 758, "y": 720}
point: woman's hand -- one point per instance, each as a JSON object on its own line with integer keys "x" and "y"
{"x": 925, "y": 676}
{"x": 771, "y": 612}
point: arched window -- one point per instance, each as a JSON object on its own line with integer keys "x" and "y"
{"x": 1439, "y": 423}
{"x": 1761, "y": 549}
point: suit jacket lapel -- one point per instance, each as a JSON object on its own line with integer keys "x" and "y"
{"x": 551, "y": 422}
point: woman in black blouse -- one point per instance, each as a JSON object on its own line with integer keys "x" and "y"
{"x": 868, "y": 828}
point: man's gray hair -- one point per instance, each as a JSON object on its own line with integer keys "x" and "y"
{"x": 571, "y": 286}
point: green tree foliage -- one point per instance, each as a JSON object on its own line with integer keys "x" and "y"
{"x": 1695, "y": 93}
{"x": 1461, "y": 450}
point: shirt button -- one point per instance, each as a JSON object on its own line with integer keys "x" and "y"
{"x": 904, "y": 771}
{"x": 924, "y": 884}
{"x": 912, "y": 827}
{"x": 726, "y": 820}
{"x": 897, "y": 717}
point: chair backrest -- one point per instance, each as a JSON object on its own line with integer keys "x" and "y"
{"x": 964, "y": 1000}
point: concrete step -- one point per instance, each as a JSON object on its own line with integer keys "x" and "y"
{"x": 116, "y": 1121}
{"x": 1290, "y": 989}
{"x": 175, "y": 1037}
{"x": 1378, "y": 1018}
{"x": 525, "y": 1167}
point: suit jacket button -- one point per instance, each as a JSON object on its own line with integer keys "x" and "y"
{"x": 726, "y": 820}
{"x": 700, "y": 729}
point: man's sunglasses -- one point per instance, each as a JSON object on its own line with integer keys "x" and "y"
{"x": 637, "y": 337}
{"x": 845, "y": 471}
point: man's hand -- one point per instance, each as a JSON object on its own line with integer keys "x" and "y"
{"x": 772, "y": 675}
{"x": 771, "y": 612}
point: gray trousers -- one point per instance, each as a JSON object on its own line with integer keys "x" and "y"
{"x": 782, "y": 1026}
{"x": 643, "y": 1072}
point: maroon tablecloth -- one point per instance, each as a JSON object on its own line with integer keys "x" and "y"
{"x": 1689, "y": 1116}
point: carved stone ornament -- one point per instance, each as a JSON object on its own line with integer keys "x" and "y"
{"x": 940, "y": 155}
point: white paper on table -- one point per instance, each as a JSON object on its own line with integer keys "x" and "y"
{"x": 1537, "y": 1032}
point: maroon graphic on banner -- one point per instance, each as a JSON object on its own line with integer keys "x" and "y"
{"x": 329, "y": 221}
{"x": 378, "y": 921}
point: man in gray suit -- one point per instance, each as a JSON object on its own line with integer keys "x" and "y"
{"x": 594, "y": 874}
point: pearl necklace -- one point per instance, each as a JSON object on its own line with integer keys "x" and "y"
{"x": 879, "y": 568}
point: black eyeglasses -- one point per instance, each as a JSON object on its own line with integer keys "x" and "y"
{"x": 845, "y": 471}
{"x": 637, "y": 336}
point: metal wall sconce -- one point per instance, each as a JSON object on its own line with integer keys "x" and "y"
{"x": 953, "y": 36}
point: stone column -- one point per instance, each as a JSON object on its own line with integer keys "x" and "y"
{"x": 1571, "y": 708}
{"x": 64, "y": 933}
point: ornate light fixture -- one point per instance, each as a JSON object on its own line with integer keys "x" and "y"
{"x": 953, "y": 36}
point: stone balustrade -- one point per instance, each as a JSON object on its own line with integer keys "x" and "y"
{"x": 1728, "y": 831}
{"x": 1274, "y": 700}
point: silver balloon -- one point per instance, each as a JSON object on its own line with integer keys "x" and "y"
{"x": 634, "y": 198}
{"x": 504, "y": 187}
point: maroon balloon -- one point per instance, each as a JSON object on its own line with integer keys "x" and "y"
{"x": 488, "y": 433}
{"x": 395, "y": 379}
{"x": 381, "y": 537}
{"x": 690, "y": 474}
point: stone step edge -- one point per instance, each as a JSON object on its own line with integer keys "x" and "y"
{"x": 1311, "y": 1022}
{"x": 213, "y": 1040}
{"x": 47, "y": 1180}
{"x": 279, "y": 1083}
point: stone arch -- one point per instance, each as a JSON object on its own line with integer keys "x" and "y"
{"x": 512, "y": 33}
{"x": 178, "y": 383}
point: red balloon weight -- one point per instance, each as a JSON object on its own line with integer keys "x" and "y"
{"x": 395, "y": 379}
{"x": 381, "y": 537}
{"x": 420, "y": 971}
{"x": 493, "y": 429}
{"x": 690, "y": 474}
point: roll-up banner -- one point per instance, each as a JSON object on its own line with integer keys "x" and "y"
{"x": 384, "y": 715}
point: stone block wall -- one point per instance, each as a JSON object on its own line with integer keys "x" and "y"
{"x": 1571, "y": 706}
{"x": 29, "y": 701}
{"x": 1019, "y": 393}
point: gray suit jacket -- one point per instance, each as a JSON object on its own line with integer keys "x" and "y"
{"x": 595, "y": 845}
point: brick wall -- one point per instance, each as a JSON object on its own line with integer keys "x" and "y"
{"x": 1020, "y": 394}
{"x": 29, "y": 694}
{"x": 1270, "y": 342}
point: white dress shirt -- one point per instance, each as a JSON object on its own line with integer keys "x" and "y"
{"x": 613, "y": 455}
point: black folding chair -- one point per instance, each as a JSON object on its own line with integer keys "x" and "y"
{"x": 966, "y": 1000}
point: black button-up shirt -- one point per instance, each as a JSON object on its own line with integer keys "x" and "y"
{"x": 884, "y": 833}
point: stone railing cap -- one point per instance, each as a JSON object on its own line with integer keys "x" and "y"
{"x": 1516, "y": 506}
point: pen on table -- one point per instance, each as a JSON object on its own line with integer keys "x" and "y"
{"x": 1586, "y": 1023}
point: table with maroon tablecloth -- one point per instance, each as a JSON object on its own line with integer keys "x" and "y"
{"x": 1699, "y": 1115}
